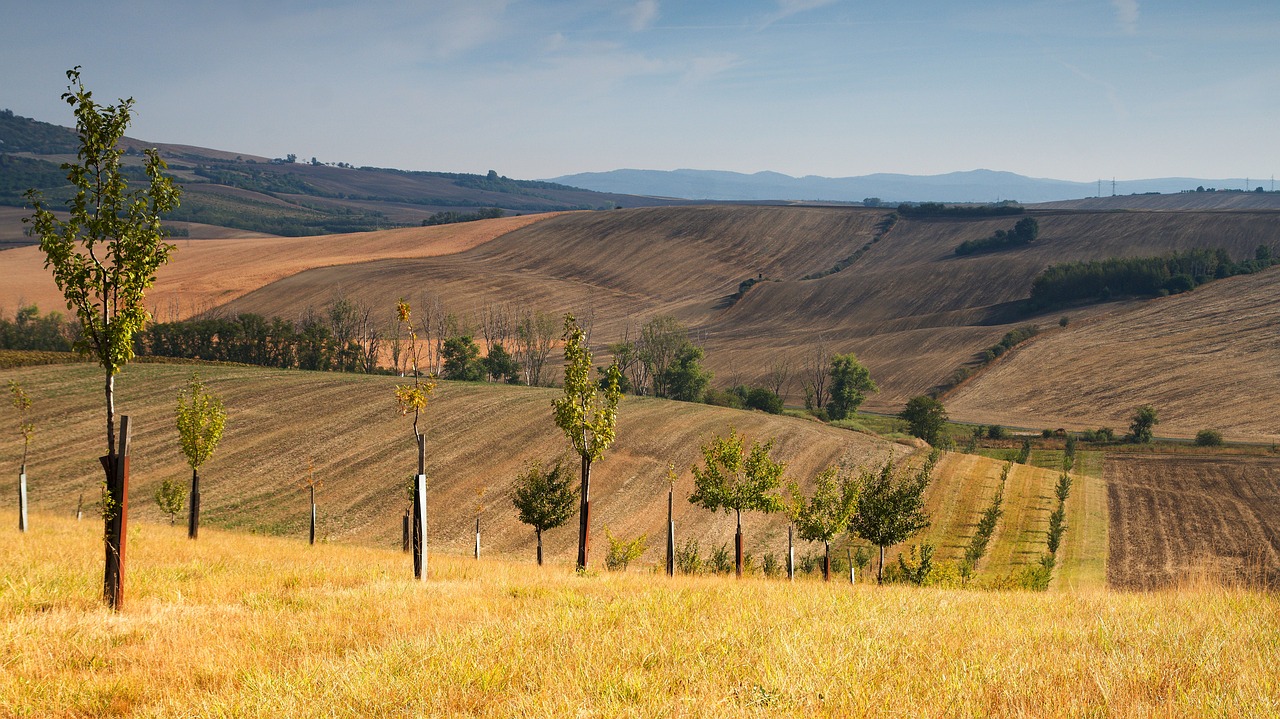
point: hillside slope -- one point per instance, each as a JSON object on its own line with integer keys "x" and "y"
{"x": 910, "y": 308}
{"x": 1208, "y": 358}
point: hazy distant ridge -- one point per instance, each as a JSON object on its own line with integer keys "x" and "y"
{"x": 970, "y": 186}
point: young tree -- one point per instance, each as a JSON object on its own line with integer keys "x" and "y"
{"x": 925, "y": 418}
{"x": 544, "y": 499}
{"x": 816, "y": 372}
{"x": 500, "y": 365}
{"x": 735, "y": 479}
{"x": 1143, "y": 421}
{"x": 169, "y": 496}
{"x": 103, "y": 258}
{"x": 201, "y": 418}
{"x": 587, "y": 418}
{"x": 685, "y": 379}
{"x": 413, "y": 397}
{"x": 891, "y": 506}
{"x": 850, "y": 383}
{"x": 462, "y": 359}
{"x": 661, "y": 341}
{"x": 827, "y": 513}
{"x": 22, "y": 403}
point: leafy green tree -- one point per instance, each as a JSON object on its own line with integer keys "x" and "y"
{"x": 735, "y": 479}
{"x": 925, "y": 418}
{"x": 103, "y": 258}
{"x": 1204, "y": 438}
{"x": 462, "y": 359}
{"x": 1143, "y": 421}
{"x": 413, "y": 397}
{"x": 891, "y": 506}
{"x": 763, "y": 399}
{"x": 850, "y": 383}
{"x": 170, "y": 496}
{"x": 588, "y": 416}
{"x": 500, "y": 365}
{"x": 685, "y": 379}
{"x": 827, "y": 512}
{"x": 545, "y": 499}
{"x": 201, "y": 417}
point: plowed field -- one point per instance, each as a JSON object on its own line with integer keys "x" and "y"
{"x": 1178, "y": 520}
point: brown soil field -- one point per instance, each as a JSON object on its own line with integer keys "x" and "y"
{"x": 207, "y": 273}
{"x": 479, "y": 436}
{"x": 1206, "y": 358}
{"x": 627, "y": 265}
{"x": 1167, "y": 202}
{"x": 1181, "y": 520}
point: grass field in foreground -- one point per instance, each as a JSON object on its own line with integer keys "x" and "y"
{"x": 234, "y": 625}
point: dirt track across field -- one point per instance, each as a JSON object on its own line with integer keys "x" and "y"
{"x": 1179, "y": 520}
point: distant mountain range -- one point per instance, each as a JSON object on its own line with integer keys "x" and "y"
{"x": 971, "y": 186}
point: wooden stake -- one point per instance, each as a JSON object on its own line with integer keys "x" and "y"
{"x": 22, "y": 499}
{"x": 117, "y": 525}
{"x": 419, "y": 528}
{"x": 193, "y": 513}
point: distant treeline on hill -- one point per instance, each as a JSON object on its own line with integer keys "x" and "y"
{"x": 938, "y": 209}
{"x": 1139, "y": 276}
{"x": 449, "y": 218}
{"x": 1023, "y": 233}
{"x": 336, "y": 343}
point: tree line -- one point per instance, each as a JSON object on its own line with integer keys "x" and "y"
{"x": 1023, "y": 233}
{"x": 1140, "y": 276}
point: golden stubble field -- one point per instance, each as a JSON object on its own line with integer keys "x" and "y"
{"x": 233, "y": 625}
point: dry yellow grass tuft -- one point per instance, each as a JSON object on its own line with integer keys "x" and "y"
{"x": 260, "y": 627}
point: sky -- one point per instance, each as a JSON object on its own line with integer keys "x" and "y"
{"x": 1065, "y": 89}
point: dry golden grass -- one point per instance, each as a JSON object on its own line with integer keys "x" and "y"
{"x": 258, "y": 627}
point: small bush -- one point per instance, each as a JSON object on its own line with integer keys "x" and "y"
{"x": 622, "y": 552}
{"x": 720, "y": 398}
{"x": 721, "y": 560}
{"x": 1208, "y": 438}
{"x": 764, "y": 400}
{"x": 995, "y": 431}
{"x": 772, "y": 567}
{"x": 687, "y": 559}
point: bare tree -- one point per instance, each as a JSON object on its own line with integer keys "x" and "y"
{"x": 816, "y": 372}
{"x": 779, "y": 376}
{"x": 535, "y": 335}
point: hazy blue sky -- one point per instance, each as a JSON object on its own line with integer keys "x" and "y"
{"x": 1071, "y": 89}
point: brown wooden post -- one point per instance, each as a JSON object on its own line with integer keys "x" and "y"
{"x": 404, "y": 531}
{"x": 791, "y": 554}
{"x": 22, "y": 499}
{"x": 539, "y": 531}
{"x": 584, "y": 515}
{"x": 671, "y": 534}
{"x": 312, "y": 487}
{"x": 737, "y": 546}
{"x": 419, "y": 529}
{"x": 193, "y": 514}
{"x": 117, "y": 524}
{"x": 826, "y": 562}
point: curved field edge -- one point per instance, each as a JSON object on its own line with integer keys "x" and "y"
{"x": 267, "y": 627}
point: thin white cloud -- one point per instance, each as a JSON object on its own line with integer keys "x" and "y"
{"x": 1127, "y": 15}
{"x": 642, "y": 14}
{"x": 787, "y": 8}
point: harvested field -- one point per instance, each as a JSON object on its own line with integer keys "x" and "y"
{"x": 1181, "y": 520}
{"x": 478, "y": 436}
{"x": 1208, "y": 358}
{"x": 206, "y": 273}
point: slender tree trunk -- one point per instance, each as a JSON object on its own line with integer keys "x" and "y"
{"x": 826, "y": 562}
{"x": 737, "y": 546}
{"x": 849, "y": 554}
{"x": 404, "y": 531}
{"x": 477, "y": 537}
{"x": 539, "y": 531}
{"x": 22, "y": 498}
{"x": 584, "y": 514}
{"x": 671, "y": 534}
{"x": 193, "y": 514}
{"x": 313, "y": 513}
{"x": 880, "y": 571}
